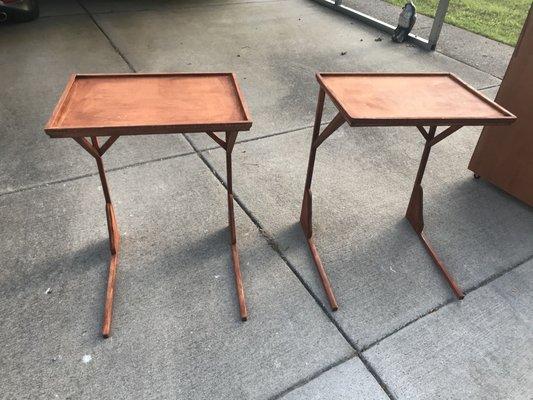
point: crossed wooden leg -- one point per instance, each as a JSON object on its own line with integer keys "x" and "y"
{"x": 227, "y": 145}
{"x": 414, "y": 212}
{"x": 97, "y": 152}
{"x": 114, "y": 235}
{"x": 306, "y": 215}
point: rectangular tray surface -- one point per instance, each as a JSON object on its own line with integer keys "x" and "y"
{"x": 149, "y": 103}
{"x": 393, "y": 99}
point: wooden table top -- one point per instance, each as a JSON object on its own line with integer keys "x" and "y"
{"x": 388, "y": 99}
{"x": 135, "y": 104}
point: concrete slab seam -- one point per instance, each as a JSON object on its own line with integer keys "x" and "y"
{"x": 489, "y": 87}
{"x": 75, "y": 178}
{"x": 253, "y": 139}
{"x": 450, "y": 300}
{"x": 310, "y": 378}
{"x": 117, "y": 50}
{"x": 275, "y": 246}
{"x": 359, "y": 352}
{"x": 61, "y": 15}
{"x": 188, "y": 8}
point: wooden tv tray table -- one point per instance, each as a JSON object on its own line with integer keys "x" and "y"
{"x": 386, "y": 99}
{"x": 146, "y": 104}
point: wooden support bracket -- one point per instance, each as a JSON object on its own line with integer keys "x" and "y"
{"x": 444, "y": 134}
{"x": 107, "y": 144}
{"x": 213, "y": 136}
{"x": 423, "y": 131}
{"x": 335, "y": 124}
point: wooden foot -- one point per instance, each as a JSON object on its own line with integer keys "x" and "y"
{"x": 238, "y": 282}
{"x": 306, "y": 223}
{"x": 323, "y": 276}
{"x": 114, "y": 244}
{"x": 415, "y": 217}
{"x": 110, "y": 293}
{"x": 449, "y": 278}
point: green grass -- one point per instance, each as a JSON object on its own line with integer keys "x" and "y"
{"x": 500, "y": 20}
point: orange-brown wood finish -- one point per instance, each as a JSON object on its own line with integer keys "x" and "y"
{"x": 415, "y": 214}
{"x": 410, "y": 99}
{"x": 231, "y": 137}
{"x": 306, "y": 214}
{"x": 140, "y": 104}
{"x": 94, "y": 149}
{"x": 504, "y": 155}
{"x": 134, "y": 104}
{"x": 386, "y": 99}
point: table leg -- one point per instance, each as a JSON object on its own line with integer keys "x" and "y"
{"x": 114, "y": 235}
{"x": 307, "y": 202}
{"x": 414, "y": 213}
{"x": 230, "y": 142}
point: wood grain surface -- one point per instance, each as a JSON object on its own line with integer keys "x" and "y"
{"x": 131, "y": 104}
{"x": 387, "y": 99}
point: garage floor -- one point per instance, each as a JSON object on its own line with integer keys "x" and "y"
{"x": 399, "y": 332}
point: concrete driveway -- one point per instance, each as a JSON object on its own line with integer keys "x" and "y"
{"x": 399, "y": 332}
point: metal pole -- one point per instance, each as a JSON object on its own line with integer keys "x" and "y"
{"x": 440, "y": 14}
{"x": 428, "y": 44}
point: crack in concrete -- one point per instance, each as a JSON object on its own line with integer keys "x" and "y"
{"x": 78, "y": 177}
{"x": 115, "y": 47}
{"x": 276, "y": 247}
{"x": 310, "y": 378}
{"x": 361, "y": 355}
{"x": 481, "y": 284}
{"x": 252, "y": 139}
{"x": 489, "y": 87}
{"x": 152, "y": 160}
{"x": 359, "y": 351}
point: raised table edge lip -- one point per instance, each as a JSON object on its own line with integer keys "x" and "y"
{"x": 505, "y": 120}
{"x": 82, "y": 131}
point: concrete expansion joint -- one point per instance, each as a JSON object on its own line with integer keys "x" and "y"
{"x": 276, "y": 247}
{"x": 115, "y": 47}
{"x": 75, "y": 178}
{"x": 451, "y": 300}
{"x": 359, "y": 352}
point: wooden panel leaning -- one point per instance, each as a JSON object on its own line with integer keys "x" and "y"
{"x": 504, "y": 155}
